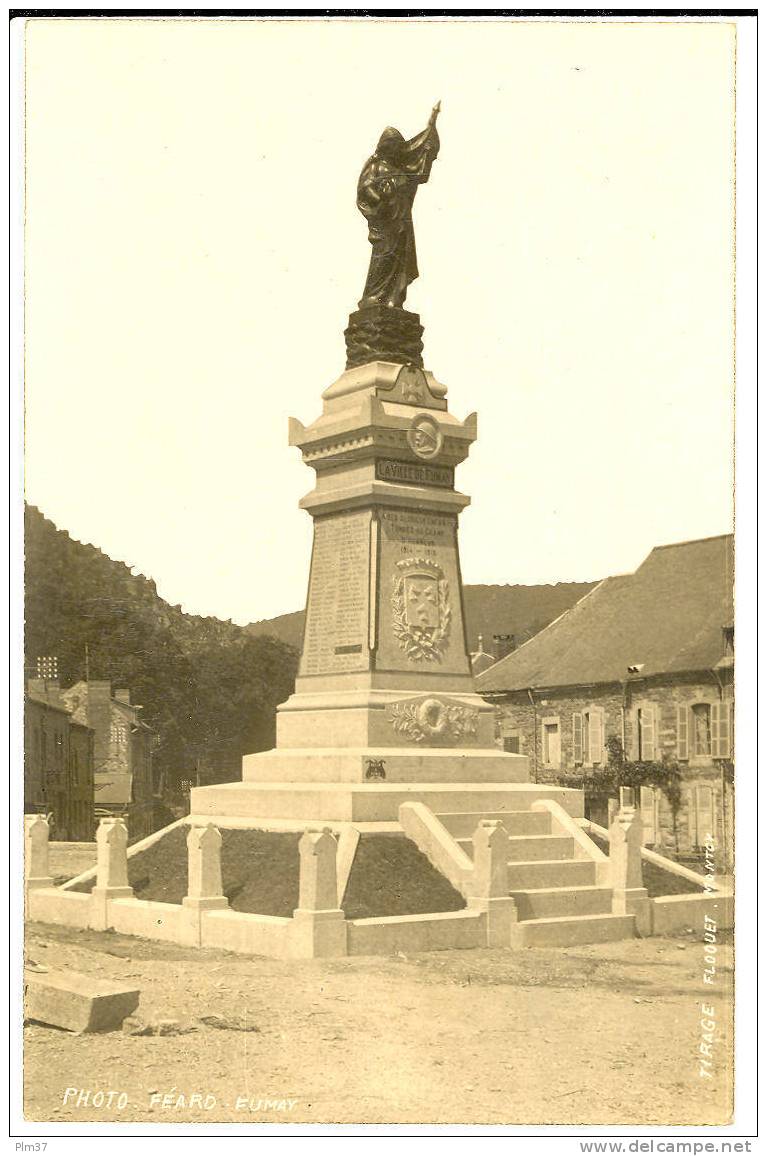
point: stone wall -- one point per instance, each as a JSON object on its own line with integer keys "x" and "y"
{"x": 707, "y": 796}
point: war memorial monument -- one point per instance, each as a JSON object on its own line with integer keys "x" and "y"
{"x": 385, "y": 734}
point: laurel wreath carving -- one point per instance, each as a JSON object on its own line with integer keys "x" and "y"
{"x": 422, "y": 719}
{"x": 421, "y": 642}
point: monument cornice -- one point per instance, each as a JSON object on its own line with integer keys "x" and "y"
{"x": 363, "y": 495}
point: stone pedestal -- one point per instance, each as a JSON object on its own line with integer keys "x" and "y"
{"x": 383, "y": 333}
{"x": 384, "y": 697}
{"x": 385, "y": 671}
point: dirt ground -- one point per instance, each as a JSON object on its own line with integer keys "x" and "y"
{"x": 599, "y": 1034}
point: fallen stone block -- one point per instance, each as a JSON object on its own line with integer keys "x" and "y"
{"x": 79, "y": 1003}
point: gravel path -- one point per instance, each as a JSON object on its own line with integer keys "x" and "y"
{"x": 602, "y": 1034}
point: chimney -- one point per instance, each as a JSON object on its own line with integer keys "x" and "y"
{"x": 99, "y": 708}
{"x": 503, "y": 644}
{"x": 45, "y": 690}
{"x": 123, "y": 696}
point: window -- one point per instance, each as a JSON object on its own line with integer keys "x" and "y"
{"x": 701, "y": 729}
{"x": 550, "y": 742}
{"x": 589, "y": 736}
{"x": 704, "y": 731}
{"x": 118, "y": 734}
{"x": 512, "y": 744}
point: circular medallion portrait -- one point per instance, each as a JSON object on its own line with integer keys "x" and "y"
{"x": 424, "y": 436}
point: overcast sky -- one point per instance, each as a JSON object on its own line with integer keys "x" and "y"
{"x": 194, "y": 250}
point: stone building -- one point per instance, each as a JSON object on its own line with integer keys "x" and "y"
{"x": 58, "y": 764}
{"x": 648, "y": 658}
{"x": 122, "y": 753}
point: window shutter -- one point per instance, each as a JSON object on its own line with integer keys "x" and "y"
{"x": 732, "y": 730}
{"x": 720, "y": 730}
{"x": 596, "y": 734}
{"x": 577, "y": 738}
{"x": 648, "y": 734}
{"x": 715, "y": 716}
{"x": 682, "y": 733}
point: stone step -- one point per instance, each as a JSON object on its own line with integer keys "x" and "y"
{"x": 394, "y": 765}
{"x": 566, "y": 931}
{"x": 524, "y": 848}
{"x": 368, "y": 802}
{"x": 547, "y": 902}
{"x": 552, "y": 873}
{"x": 462, "y": 824}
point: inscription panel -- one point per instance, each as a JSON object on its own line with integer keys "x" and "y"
{"x": 419, "y": 614}
{"x": 392, "y": 470}
{"x": 338, "y": 605}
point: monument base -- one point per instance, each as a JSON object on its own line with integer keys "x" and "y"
{"x": 306, "y": 803}
{"x": 387, "y": 764}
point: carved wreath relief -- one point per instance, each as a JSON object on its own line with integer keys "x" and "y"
{"x": 431, "y": 718}
{"x": 421, "y": 609}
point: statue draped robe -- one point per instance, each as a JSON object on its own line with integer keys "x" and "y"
{"x": 385, "y": 194}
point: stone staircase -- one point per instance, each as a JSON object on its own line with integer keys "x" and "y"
{"x": 559, "y": 901}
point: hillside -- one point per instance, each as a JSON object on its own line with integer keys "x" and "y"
{"x": 208, "y": 687}
{"x": 518, "y": 610}
{"x": 288, "y": 628}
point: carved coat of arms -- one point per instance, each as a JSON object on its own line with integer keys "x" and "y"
{"x": 421, "y": 609}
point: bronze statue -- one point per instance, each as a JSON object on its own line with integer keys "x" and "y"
{"x": 385, "y": 193}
